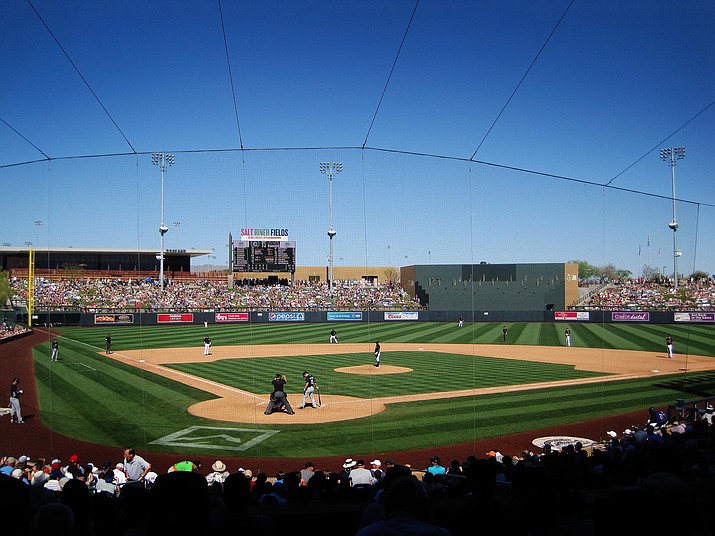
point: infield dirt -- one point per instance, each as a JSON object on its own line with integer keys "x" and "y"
{"x": 236, "y": 405}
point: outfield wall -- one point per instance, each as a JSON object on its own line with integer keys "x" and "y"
{"x": 62, "y": 318}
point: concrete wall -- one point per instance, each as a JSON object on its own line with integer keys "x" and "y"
{"x": 60, "y": 318}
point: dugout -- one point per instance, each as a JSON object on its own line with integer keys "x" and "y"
{"x": 496, "y": 287}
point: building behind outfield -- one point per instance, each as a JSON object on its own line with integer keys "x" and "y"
{"x": 75, "y": 261}
{"x": 437, "y": 287}
{"x": 492, "y": 287}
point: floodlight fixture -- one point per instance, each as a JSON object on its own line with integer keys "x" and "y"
{"x": 670, "y": 155}
{"x": 37, "y": 224}
{"x": 163, "y": 160}
{"x": 330, "y": 169}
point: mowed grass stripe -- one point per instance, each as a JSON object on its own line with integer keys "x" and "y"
{"x": 432, "y": 372}
{"x": 414, "y": 332}
{"x": 637, "y": 339}
{"x": 696, "y": 340}
{"x": 588, "y": 335}
{"x": 623, "y": 336}
{"x": 74, "y": 393}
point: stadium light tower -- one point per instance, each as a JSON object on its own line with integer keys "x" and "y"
{"x": 330, "y": 169}
{"x": 671, "y": 155}
{"x": 37, "y": 224}
{"x": 163, "y": 160}
{"x": 176, "y": 225}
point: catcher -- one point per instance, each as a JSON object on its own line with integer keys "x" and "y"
{"x": 279, "y": 400}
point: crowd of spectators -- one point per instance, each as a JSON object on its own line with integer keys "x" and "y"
{"x": 8, "y": 329}
{"x": 126, "y": 294}
{"x": 661, "y": 476}
{"x": 639, "y": 294}
{"x": 96, "y": 295}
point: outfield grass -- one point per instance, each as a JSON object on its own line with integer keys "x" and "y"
{"x": 95, "y": 399}
{"x": 431, "y": 372}
{"x": 696, "y": 339}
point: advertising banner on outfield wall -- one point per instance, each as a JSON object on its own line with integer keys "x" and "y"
{"x": 231, "y": 317}
{"x": 342, "y": 316}
{"x": 114, "y": 319}
{"x": 694, "y": 317}
{"x": 571, "y": 315}
{"x": 402, "y": 316}
{"x": 625, "y": 316}
{"x": 286, "y": 317}
{"x": 171, "y": 318}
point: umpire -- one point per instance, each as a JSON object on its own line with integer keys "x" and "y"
{"x": 279, "y": 400}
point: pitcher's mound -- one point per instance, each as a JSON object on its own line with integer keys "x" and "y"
{"x": 372, "y": 369}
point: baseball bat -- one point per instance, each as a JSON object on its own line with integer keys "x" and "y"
{"x": 320, "y": 402}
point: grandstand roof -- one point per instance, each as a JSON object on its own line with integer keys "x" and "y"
{"x": 9, "y": 250}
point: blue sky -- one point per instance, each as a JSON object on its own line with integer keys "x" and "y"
{"x": 586, "y": 106}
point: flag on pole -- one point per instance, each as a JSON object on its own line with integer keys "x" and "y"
{"x": 639, "y": 249}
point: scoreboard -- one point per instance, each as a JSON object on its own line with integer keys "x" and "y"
{"x": 263, "y": 256}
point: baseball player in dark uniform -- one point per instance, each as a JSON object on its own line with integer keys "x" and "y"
{"x": 55, "y": 350}
{"x": 15, "y": 393}
{"x": 669, "y": 346}
{"x": 308, "y": 389}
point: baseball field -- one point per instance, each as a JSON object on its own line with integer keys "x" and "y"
{"x": 438, "y": 385}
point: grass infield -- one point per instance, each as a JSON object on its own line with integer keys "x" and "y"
{"x": 92, "y": 398}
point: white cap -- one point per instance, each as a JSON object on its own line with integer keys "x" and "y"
{"x": 376, "y": 462}
{"x": 612, "y": 433}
